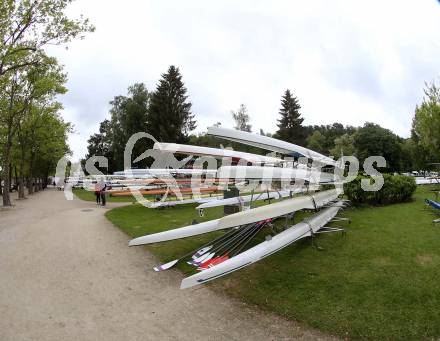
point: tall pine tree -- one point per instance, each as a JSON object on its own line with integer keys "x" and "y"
{"x": 290, "y": 124}
{"x": 170, "y": 117}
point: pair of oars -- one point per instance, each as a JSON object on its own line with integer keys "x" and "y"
{"x": 201, "y": 254}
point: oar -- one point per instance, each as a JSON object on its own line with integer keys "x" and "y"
{"x": 252, "y": 232}
{"x": 216, "y": 249}
{"x": 169, "y": 265}
{"x": 213, "y": 243}
{"x": 202, "y": 255}
{"x": 249, "y": 239}
{"x": 232, "y": 242}
{"x": 210, "y": 261}
{"x": 202, "y": 251}
{"x": 219, "y": 247}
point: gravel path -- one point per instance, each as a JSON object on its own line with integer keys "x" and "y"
{"x": 67, "y": 274}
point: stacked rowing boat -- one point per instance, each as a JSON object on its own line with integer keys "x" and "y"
{"x": 235, "y": 248}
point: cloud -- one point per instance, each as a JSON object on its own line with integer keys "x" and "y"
{"x": 349, "y": 62}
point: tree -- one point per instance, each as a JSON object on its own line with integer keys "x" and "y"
{"x": 129, "y": 115}
{"x": 426, "y": 122}
{"x": 26, "y": 28}
{"x": 241, "y": 119}
{"x": 12, "y": 111}
{"x": 373, "y": 140}
{"x": 102, "y": 144}
{"x": 290, "y": 124}
{"x": 343, "y": 145}
{"x": 38, "y": 102}
{"x": 49, "y": 144}
{"x": 409, "y": 158}
{"x": 330, "y": 133}
{"x": 316, "y": 141}
{"x": 34, "y": 87}
{"x": 170, "y": 118}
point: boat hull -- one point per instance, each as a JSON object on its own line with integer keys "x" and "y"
{"x": 304, "y": 229}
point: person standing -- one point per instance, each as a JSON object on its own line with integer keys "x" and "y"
{"x": 97, "y": 193}
{"x": 102, "y": 189}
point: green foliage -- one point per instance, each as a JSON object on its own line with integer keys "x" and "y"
{"x": 30, "y": 80}
{"x": 373, "y": 140}
{"x": 205, "y": 140}
{"x": 413, "y": 156}
{"x": 102, "y": 144}
{"x": 165, "y": 114}
{"x": 241, "y": 118}
{"x": 426, "y": 123}
{"x": 396, "y": 188}
{"x": 315, "y": 142}
{"x": 330, "y": 133}
{"x": 290, "y": 127}
{"x": 170, "y": 118}
{"x": 26, "y": 27}
{"x": 129, "y": 115}
{"x": 343, "y": 145}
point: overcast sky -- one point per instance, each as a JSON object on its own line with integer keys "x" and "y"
{"x": 346, "y": 61}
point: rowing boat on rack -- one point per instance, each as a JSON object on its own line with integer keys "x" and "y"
{"x": 268, "y": 195}
{"x": 218, "y": 153}
{"x": 281, "y": 208}
{"x": 225, "y": 266}
{"x": 269, "y": 143}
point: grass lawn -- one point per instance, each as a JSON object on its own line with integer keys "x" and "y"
{"x": 380, "y": 282}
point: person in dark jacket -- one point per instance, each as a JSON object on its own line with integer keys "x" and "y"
{"x": 102, "y": 189}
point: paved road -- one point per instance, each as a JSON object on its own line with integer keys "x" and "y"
{"x": 66, "y": 273}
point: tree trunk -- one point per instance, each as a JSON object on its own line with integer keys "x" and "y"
{"x": 31, "y": 179}
{"x": 7, "y": 172}
{"x": 21, "y": 188}
{"x": 21, "y": 178}
{"x": 6, "y": 175}
{"x": 10, "y": 177}
{"x": 31, "y": 186}
{"x": 15, "y": 177}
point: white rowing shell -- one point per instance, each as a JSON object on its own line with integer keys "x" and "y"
{"x": 264, "y": 249}
{"x": 255, "y": 197}
{"x": 215, "y": 152}
{"x": 181, "y": 202}
{"x": 284, "y": 173}
{"x": 165, "y": 172}
{"x": 268, "y": 143}
{"x": 241, "y": 218}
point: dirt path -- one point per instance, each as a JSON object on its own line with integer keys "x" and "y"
{"x": 67, "y": 274}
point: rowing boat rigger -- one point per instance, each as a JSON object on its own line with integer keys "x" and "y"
{"x": 226, "y": 265}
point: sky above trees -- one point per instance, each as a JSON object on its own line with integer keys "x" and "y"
{"x": 345, "y": 61}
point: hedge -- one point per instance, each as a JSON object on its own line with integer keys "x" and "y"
{"x": 396, "y": 188}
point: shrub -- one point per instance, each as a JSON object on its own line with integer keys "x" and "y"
{"x": 396, "y": 188}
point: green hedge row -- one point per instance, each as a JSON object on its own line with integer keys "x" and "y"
{"x": 396, "y": 188}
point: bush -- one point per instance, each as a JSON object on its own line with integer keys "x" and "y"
{"x": 396, "y": 188}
